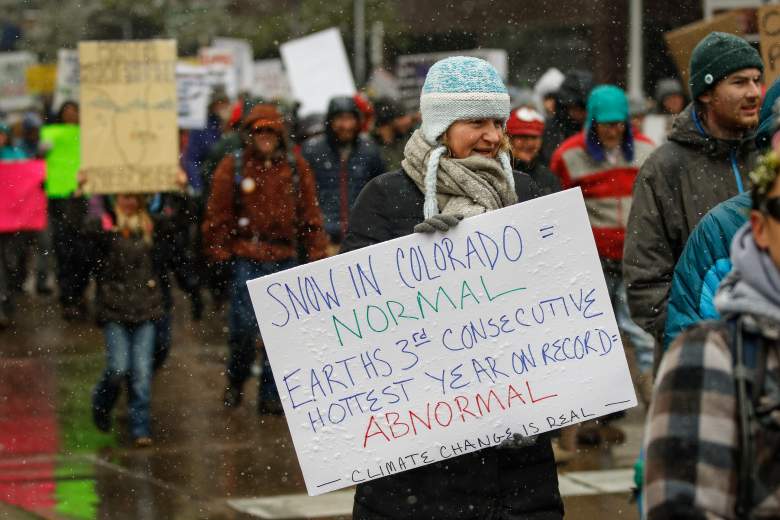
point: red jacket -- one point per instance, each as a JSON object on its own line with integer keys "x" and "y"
{"x": 607, "y": 188}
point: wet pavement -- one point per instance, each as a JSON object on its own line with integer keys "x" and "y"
{"x": 206, "y": 462}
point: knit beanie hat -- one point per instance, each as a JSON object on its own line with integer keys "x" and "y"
{"x": 716, "y": 56}
{"x": 607, "y": 104}
{"x": 525, "y": 121}
{"x": 455, "y": 89}
{"x": 668, "y": 87}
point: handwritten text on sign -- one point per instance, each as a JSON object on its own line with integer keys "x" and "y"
{"x": 427, "y": 347}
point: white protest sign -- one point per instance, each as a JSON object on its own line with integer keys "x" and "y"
{"x": 192, "y": 92}
{"x": 242, "y": 51}
{"x": 413, "y": 68}
{"x": 270, "y": 80}
{"x": 67, "y": 88}
{"x": 426, "y": 347}
{"x": 318, "y": 70}
{"x": 222, "y": 69}
{"x": 13, "y": 80}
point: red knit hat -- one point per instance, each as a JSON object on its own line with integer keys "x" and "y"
{"x": 525, "y": 121}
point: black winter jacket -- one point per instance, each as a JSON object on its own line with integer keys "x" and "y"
{"x": 495, "y": 483}
{"x": 129, "y": 274}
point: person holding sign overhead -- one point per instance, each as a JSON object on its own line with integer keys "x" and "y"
{"x": 261, "y": 212}
{"x": 455, "y": 166}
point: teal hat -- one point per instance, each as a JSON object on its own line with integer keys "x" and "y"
{"x": 607, "y": 104}
{"x": 716, "y": 56}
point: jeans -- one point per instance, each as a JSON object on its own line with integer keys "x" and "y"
{"x": 243, "y": 331}
{"x": 129, "y": 356}
{"x": 642, "y": 342}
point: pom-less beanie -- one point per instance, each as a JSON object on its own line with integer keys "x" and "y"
{"x": 460, "y": 88}
{"x": 455, "y": 89}
{"x": 716, "y": 56}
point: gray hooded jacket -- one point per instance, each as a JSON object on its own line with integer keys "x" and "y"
{"x": 677, "y": 185}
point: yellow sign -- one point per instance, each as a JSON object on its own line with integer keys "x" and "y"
{"x": 129, "y": 132}
{"x": 41, "y": 78}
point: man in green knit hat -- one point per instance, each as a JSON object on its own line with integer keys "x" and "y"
{"x": 710, "y": 151}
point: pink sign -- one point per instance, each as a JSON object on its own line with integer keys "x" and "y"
{"x": 22, "y": 200}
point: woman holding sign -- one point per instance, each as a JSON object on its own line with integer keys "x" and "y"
{"x": 455, "y": 166}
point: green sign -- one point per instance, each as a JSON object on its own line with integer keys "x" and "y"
{"x": 62, "y": 160}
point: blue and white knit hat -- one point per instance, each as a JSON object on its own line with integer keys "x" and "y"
{"x": 455, "y": 89}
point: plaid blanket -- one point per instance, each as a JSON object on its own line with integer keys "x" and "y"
{"x": 691, "y": 470}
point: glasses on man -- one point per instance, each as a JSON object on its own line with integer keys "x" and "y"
{"x": 772, "y": 207}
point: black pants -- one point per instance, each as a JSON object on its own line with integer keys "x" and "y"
{"x": 73, "y": 259}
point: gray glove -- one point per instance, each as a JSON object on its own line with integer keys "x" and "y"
{"x": 441, "y": 223}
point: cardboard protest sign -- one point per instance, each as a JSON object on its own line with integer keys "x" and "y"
{"x": 13, "y": 80}
{"x": 270, "y": 80}
{"x": 62, "y": 159}
{"x": 67, "y": 88}
{"x": 22, "y": 201}
{"x": 769, "y": 32}
{"x": 129, "y": 132}
{"x": 244, "y": 59}
{"x": 318, "y": 70}
{"x": 222, "y": 68}
{"x": 192, "y": 93}
{"x": 682, "y": 40}
{"x": 412, "y": 69}
{"x": 426, "y": 347}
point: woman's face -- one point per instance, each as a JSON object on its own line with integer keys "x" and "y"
{"x": 474, "y": 137}
{"x": 128, "y": 204}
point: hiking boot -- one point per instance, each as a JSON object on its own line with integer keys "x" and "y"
{"x": 143, "y": 442}
{"x": 233, "y": 396}
{"x": 102, "y": 419}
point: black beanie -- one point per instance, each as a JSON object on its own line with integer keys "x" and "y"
{"x": 716, "y": 56}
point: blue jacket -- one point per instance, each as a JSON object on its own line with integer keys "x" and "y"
{"x": 198, "y": 147}
{"x": 363, "y": 164}
{"x": 705, "y": 261}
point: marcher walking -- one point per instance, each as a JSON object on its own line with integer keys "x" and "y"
{"x": 710, "y": 150}
{"x": 716, "y": 404}
{"x": 261, "y": 212}
{"x": 128, "y": 301}
{"x": 343, "y": 162}
{"x": 456, "y": 165}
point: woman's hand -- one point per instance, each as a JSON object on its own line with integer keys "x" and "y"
{"x": 441, "y": 223}
{"x": 181, "y": 179}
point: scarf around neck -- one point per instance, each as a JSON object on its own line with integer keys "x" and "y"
{"x": 753, "y": 286}
{"x": 469, "y": 186}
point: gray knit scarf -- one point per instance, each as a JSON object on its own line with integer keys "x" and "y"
{"x": 753, "y": 286}
{"x": 468, "y": 187}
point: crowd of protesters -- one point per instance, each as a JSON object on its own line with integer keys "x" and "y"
{"x": 264, "y": 190}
